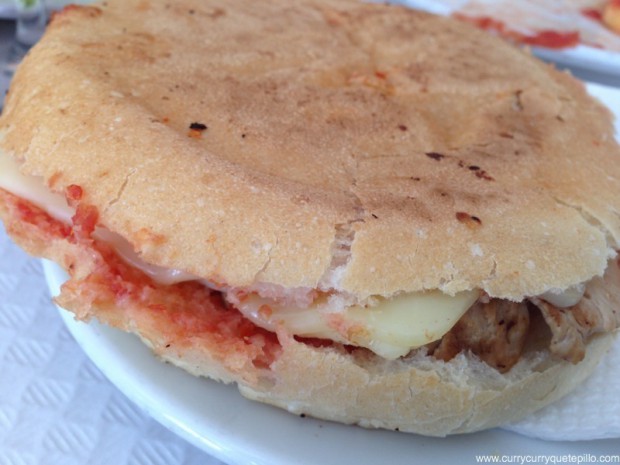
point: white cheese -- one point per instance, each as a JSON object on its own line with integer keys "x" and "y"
{"x": 391, "y": 328}
{"x": 126, "y": 251}
{"x": 32, "y": 189}
{"x": 565, "y": 298}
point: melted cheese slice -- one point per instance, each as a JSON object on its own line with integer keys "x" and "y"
{"x": 126, "y": 251}
{"x": 33, "y": 189}
{"x": 565, "y": 298}
{"x": 391, "y": 328}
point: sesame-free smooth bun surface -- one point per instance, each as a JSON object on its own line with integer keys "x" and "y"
{"x": 336, "y": 144}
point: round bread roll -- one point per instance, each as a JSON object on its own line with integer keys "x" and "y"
{"x": 358, "y": 150}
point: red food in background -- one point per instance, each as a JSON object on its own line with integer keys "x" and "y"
{"x": 546, "y": 38}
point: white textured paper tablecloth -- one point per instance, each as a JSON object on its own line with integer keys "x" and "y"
{"x": 56, "y": 408}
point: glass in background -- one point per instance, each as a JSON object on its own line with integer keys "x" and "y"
{"x": 30, "y": 21}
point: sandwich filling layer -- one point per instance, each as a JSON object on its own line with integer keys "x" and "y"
{"x": 389, "y": 327}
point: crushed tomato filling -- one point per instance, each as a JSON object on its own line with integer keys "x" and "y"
{"x": 546, "y": 38}
{"x": 170, "y": 317}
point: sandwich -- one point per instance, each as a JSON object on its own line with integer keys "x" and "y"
{"x": 352, "y": 211}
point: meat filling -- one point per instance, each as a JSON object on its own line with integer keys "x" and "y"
{"x": 598, "y": 311}
{"x": 495, "y": 331}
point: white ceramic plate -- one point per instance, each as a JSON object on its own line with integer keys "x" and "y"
{"x": 219, "y": 420}
{"x": 587, "y": 62}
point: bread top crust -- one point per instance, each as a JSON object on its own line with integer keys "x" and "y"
{"x": 362, "y": 147}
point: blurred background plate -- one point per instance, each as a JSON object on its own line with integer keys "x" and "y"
{"x": 588, "y": 63}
